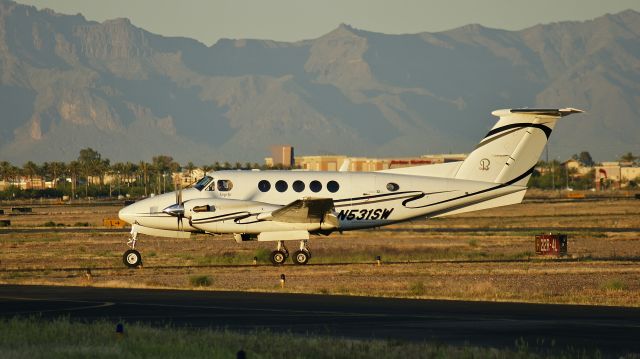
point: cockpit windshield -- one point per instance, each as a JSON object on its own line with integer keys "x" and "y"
{"x": 202, "y": 183}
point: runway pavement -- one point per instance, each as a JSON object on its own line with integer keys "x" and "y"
{"x": 612, "y": 330}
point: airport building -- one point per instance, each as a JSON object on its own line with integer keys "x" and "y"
{"x": 360, "y": 164}
{"x": 576, "y": 167}
{"x": 616, "y": 175}
{"x": 186, "y": 178}
{"x": 281, "y": 155}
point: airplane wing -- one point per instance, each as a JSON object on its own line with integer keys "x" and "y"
{"x": 306, "y": 210}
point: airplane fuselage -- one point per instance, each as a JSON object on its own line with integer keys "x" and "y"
{"x": 290, "y": 205}
{"x": 362, "y": 200}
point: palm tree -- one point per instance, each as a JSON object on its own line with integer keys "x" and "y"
{"x": 13, "y": 173}
{"x": 162, "y": 164}
{"x": 143, "y": 170}
{"x": 30, "y": 170}
{"x": 119, "y": 169}
{"x": 207, "y": 168}
{"x": 130, "y": 170}
{"x": 5, "y": 169}
{"x": 57, "y": 169}
{"x": 74, "y": 168}
{"x": 190, "y": 167}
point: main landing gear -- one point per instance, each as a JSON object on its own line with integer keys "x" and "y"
{"x": 301, "y": 256}
{"x": 132, "y": 258}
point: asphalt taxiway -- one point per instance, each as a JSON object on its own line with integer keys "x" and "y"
{"x": 611, "y": 330}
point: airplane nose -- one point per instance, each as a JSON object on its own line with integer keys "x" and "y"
{"x": 126, "y": 214}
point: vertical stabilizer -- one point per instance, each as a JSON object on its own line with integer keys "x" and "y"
{"x": 509, "y": 152}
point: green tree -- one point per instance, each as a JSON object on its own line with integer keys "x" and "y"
{"x": 91, "y": 164}
{"x": 628, "y": 157}
{"x": 585, "y": 158}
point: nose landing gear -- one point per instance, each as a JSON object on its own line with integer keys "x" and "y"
{"x": 132, "y": 257}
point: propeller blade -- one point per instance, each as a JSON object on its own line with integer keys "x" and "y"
{"x": 179, "y": 214}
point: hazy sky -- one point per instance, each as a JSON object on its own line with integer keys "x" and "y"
{"x": 291, "y": 20}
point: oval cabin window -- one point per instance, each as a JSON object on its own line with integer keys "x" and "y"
{"x": 264, "y": 186}
{"x": 392, "y": 186}
{"x": 225, "y": 185}
{"x": 315, "y": 186}
{"x": 298, "y": 186}
{"x": 333, "y": 186}
{"x": 281, "y": 186}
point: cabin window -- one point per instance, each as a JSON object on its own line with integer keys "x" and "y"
{"x": 392, "y": 186}
{"x": 298, "y": 186}
{"x": 315, "y": 186}
{"x": 333, "y": 186}
{"x": 281, "y": 186}
{"x": 205, "y": 208}
{"x": 202, "y": 183}
{"x": 264, "y": 186}
{"x": 225, "y": 185}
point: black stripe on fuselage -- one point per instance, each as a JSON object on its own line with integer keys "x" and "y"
{"x": 545, "y": 129}
{"x": 372, "y": 196}
{"x": 509, "y": 183}
{"x": 366, "y": 200}
{"x": 221, "y": 217}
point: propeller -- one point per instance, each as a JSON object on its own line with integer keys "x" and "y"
{"x": 177, "y": 209}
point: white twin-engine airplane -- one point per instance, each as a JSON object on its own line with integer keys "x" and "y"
{"x": 283, "y": 206}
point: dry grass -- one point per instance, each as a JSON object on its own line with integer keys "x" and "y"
{"x": 477, "y": 265}
{"x": 63, "y": 338}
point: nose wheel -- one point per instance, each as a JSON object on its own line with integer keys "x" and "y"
{"x": 132, "y": 258}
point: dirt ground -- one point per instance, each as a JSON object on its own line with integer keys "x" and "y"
{"x": 487, "y": 255}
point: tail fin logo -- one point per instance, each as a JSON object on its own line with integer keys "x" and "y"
{"x": 484, "y": 164}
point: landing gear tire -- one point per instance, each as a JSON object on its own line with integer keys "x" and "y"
{"x": 132, "y": 258}
{"x": 301, "y": 257}
{"x": 278, "y": 257}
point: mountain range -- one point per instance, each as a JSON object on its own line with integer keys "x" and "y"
{"x": 67, "y": 83}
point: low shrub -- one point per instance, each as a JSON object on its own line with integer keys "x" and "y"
{"x": 200, "y": 280}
